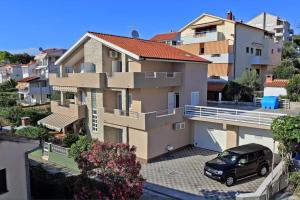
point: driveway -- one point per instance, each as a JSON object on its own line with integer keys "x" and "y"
{"x": 183, "y": 171}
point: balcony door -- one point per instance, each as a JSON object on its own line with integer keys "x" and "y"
{"x": 195, "y": 98}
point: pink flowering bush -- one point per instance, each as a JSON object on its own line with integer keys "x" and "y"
{"x": 109, "y": 172}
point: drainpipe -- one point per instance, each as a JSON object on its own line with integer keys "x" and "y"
{"x": 234, "y": 51}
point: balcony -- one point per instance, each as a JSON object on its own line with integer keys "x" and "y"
{"x": 281, "y": 26}
{"x": 144, "y": 80}
{"x": 39, "y": 90}
{"x": 72, "y": 110}
{"x": 278, "y": 34}
{"x": 202, "y": 37}
{"x": 244, "y": 118}
{"x": 141, "y": 121}
{"x": 259, "y": 60}
{"x": 83, "y": 80}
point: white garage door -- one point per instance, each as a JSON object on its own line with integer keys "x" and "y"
{"x": 210, "y": 136}
{"x": 258, "y": 136}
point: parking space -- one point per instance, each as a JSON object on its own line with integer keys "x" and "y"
{"x": 183, "y": 171}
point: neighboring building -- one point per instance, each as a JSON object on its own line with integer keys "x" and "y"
{"x": 34, "y": 87}
{"x": 11, "y": 71}
{"x": 33, "y": 90}
{"x": 122, "y": 89}
{"x": 171, "y": 38}
{"x": 14, "y": 172}
{"x": 231, "y": 46}
{"x": 275, "y": 87}
{"x": 280, "y": 27}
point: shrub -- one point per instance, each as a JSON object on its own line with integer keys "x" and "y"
{"x": 81, "y": 145}
{"x": 293, "y": 88}
{"x": 116, "y": 169}
{"x": 8, "y": 99}
{"x": 33, "y": 133}
{"x": 70, "y": 139}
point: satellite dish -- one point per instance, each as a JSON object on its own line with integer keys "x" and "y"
{"x": 40, "y": 49}
{"x": 135, "y": 34}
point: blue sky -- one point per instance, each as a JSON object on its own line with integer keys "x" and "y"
{"x": 29, "y": 24}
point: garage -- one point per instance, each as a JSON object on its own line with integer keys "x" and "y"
{"x": 210, "y": 136}
{"x": 259, "y": 136}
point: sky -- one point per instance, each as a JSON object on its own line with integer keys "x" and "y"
{"x": 27, "y": 25}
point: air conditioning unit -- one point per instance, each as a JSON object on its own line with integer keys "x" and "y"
{"x": 179, "y": 126}
{"x": 113, "y": 54}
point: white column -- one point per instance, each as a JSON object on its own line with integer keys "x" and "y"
{"x": 124, "y": 63}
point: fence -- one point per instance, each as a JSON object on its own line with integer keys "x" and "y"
{"x": 261, "y": 118}
{"x": 49, "y": 147}
{"x": 276, "y": 181}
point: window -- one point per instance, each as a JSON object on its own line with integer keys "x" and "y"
{"x": 272, "y": 51}
{"x": 252, "y": 50}
{"x": 94, "y": 111}
{"x": 215, "y": 55}
{"x": 204, "y": 30}
{"x": 247, "y": 49}
{"x": 130, "y": 101}
{"x": 251, "y": 157}
{"x": 278, "y": 50}
{"x": 202, "y": 50}
{"x": 258, "y": 52}
{"x": 3, "y": 186}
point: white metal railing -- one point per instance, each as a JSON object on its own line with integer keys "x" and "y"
{"x": 253, "y": 117}
{"x": 59, "y": 149}
{"x": 163, "y": 74}
{"x": 283, "y": 103}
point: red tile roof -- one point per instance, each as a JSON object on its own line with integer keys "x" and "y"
{"x": 164, "y": 36}
{"x": 277, "y": 83}
{"x": 215, "y": 87}
{"x": 149, "y": 49}
{"x": 28, "y": 79}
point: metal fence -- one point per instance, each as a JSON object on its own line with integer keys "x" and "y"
{"x": 260, "y": 118}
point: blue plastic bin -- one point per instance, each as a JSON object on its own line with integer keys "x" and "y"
{"x": 270, "y": 102}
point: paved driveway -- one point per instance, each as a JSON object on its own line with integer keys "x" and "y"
{"x": 183, "y": 171}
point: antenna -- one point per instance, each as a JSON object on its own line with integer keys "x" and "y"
{"x": 135, "y": 34}
{"x": 40, "y": 49}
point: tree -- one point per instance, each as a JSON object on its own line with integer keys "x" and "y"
{"x": 293, "y": 88}
{"x": 289, "y": 51}
{"x": 286, "y": 131}
{"x": 33, "y": 132}
{"x": 243, "y": 88}
{"x": 8, "y": 86}
{"x": 81, "y": 145}
{"x": 109, "y": 171}
{"x": 4, "y": 56}
{"x": 285, "y": 70}
{"x": 23, "y": 58}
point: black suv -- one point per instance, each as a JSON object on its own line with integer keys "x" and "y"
{"x": 239, "y": 162}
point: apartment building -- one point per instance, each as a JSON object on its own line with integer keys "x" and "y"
{"x": 34, "y": 87}
{"x": 120, "y": 89}
{"x": 280, "y": 27}
{"x": 14, "y": 171}
{"x": 231, "y": 46}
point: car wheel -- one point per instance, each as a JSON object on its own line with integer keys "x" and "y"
{"x": 263, "y": 170}
{"x": 230, "y": 180}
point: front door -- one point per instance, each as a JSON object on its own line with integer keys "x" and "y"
{"x": 195, "y": 98}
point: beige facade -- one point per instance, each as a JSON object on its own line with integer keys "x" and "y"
{"x": 231, "y": 46}
{"x": 122, "y": 99}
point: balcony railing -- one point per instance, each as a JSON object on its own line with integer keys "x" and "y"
{"x": 231, "y": 115}
{"x": 72, "y": 110}
{"x": 142, "y": 121}
{"x": 144, "y": 79}
{"x": 202, "y": 37}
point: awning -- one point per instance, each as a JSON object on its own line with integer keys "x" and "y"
{"x": 57, "y": 121}
{"x": 218, "y": 22}
{"x": 64, "y": 89}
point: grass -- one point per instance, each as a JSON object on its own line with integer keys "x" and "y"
{"x": 58, "y": 159}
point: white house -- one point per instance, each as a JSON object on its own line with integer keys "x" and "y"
{"x": 14, "y": 172}
{"x": 275, "y": 87}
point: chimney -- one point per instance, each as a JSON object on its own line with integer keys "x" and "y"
{"x": 25, "y": 121}
{"x": 230, "y": 15}
{"x": 269, "y": 78}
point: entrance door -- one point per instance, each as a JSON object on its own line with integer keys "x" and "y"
{"x": 195, "y": 98}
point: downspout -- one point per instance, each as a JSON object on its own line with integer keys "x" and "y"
{"x": 234, "y": 51}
